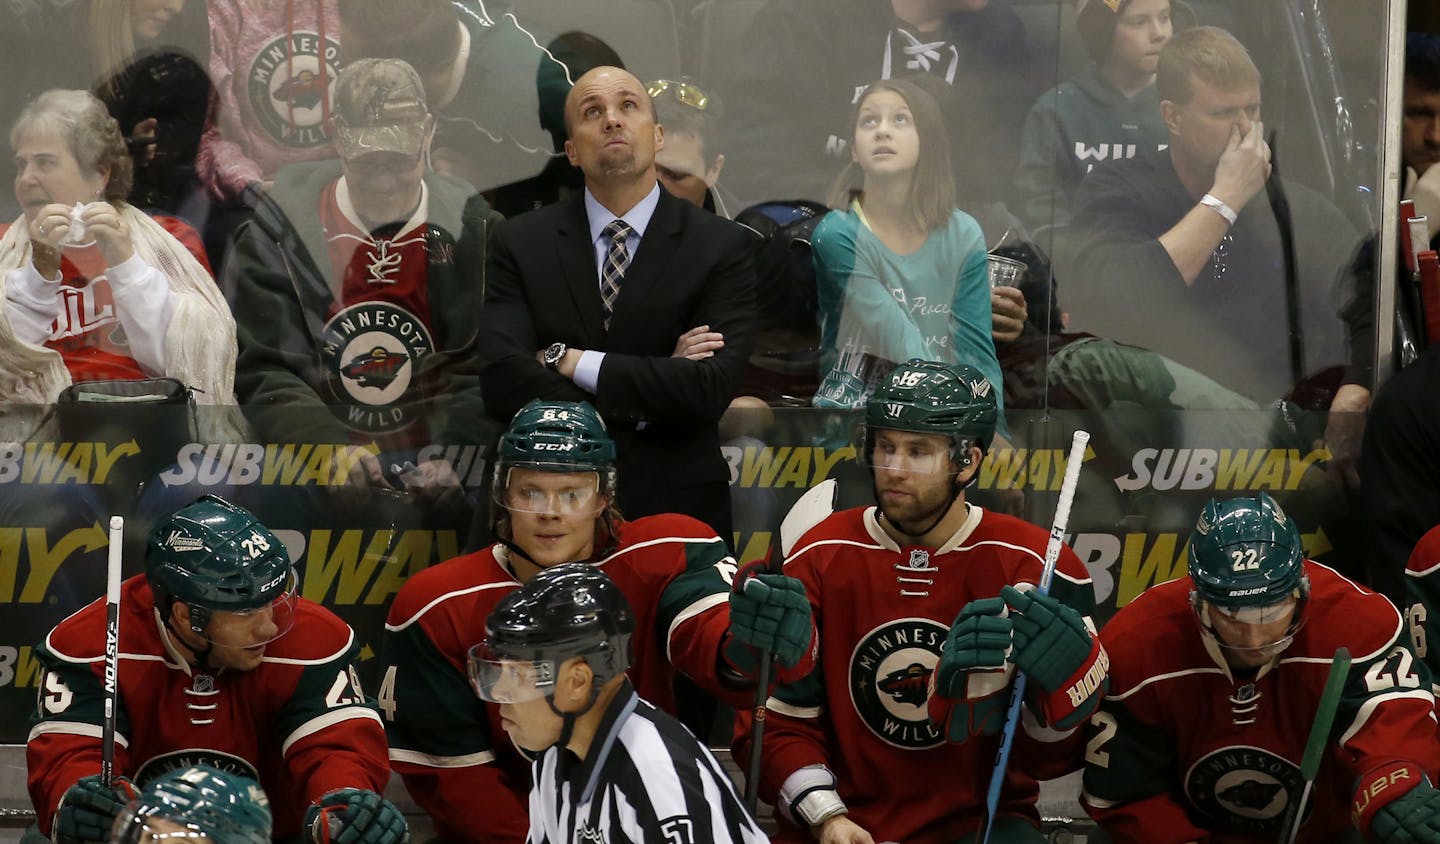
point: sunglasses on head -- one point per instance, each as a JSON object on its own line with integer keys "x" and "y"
{"x": 685, "y": 92}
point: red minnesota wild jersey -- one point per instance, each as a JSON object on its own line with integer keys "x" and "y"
{"x": 457, "y": 762}
{"x": 299, "y": 723}
{"x": 1422, "y": 590}
{"x": 883, "y": 612}
{"x": 1183, "y": 749}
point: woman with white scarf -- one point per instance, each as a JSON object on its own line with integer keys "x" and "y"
{"x": 93, "y": 289}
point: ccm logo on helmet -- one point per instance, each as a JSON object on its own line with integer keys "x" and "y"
{"x": 272, "y": 584}
{"x": 554, "y": 446}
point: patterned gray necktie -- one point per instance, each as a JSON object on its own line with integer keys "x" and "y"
{"x": 617, "y": 259}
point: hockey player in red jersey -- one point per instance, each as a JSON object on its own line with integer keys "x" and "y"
{"x": 1422, "y": 588}
{"x": 851, "y": 752}
{"x": 1215, "y": 682}
{"x": 220, "y": 663}
{"x": 553, "y": 503}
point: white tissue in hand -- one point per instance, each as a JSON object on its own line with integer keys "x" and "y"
{"x": 76, "y": 235}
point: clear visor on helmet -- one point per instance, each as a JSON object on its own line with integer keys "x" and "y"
{"x": 501, "y": 680}
{"x": 131, "y": 827}
{"x": 255, "y": 626}
{"x": 553, "y": 490}
{"x": 1261, "y": 631}
{"x": 905, "y": 451}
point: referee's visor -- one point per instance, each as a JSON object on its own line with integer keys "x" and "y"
{"x": 501, "y": 679}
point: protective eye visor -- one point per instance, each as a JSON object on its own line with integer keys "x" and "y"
{"x": 498, "y": 679}
{"x": 582, "y": 498}
{"x": 255, "y": 626}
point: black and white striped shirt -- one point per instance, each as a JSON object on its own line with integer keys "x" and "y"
{"x": 645, "y": 779}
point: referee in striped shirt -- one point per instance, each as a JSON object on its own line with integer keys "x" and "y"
{"x": 615, "y": 769}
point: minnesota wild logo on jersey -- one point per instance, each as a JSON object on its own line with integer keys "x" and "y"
{"x": 373, "y": 349}
{"x": 889, "y": 672}
{"x": 1243, "y": 787}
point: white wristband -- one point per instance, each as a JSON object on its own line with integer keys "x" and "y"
{"x": 1211, "y": 201}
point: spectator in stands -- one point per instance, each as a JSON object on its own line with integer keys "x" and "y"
{"x": 813, "y": 58}
{"x": 689, "y": 166}
{"x": 901, "y": 272}
{"x": 93, "y": 288}
{"x": 273, "y": 66}
{"x": 479, "y": 73}
{"x": 1242, "y": 289}
{"x": 569, "y": 316}
{"x": 1109, "y": 111}
{"x": 1420, "y": 128}
{"x": 358, "y": 286}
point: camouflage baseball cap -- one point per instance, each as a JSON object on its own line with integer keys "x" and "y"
{"x": 379, "y": 107}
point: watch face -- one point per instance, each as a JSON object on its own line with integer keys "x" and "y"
{"x": 554, "y": 354}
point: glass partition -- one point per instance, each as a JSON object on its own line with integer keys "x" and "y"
{"x": 313, "y": 205}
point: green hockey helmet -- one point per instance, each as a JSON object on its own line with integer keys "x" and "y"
{"x": 217, "y": 557}
{"x": 196, "y": 801}
{"x": 926, "y": 397}
{"x": 565, "y": 611}
{"x": 560, "y": 437}
{"x": 1246, "y": 552}
{"x": 1250, "y": 587}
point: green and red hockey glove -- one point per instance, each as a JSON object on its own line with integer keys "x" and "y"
{"x": 968, "y": 689}
{"x": 1056, "y": 651}
{"x": 355, "y": 816}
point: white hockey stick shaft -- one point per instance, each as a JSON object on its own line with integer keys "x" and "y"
{"x": 112, "y": 649}
{"x": 1017, "y": 693}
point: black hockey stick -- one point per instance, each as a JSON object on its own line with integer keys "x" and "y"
{"x": 1315, "y": 744}
{"x": 809, "y": 510}
{"x": 112, "y": 650}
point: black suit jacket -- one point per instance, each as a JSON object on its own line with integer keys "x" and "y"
{"x": 691, "y": 268}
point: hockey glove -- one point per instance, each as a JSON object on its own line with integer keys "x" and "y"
{"x": 1056, "y": 651}
{"x": 967, "y": 688}
{"x": 1396, "y": 804}
{"x": 355, "y": 816}
{"x": 88, "y": 809}
{"x": 768, "y": 611}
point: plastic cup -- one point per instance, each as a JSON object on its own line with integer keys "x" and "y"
{"x": 1005, "y": 272}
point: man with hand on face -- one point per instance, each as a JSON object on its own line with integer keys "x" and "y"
{"x": 893, "y": 736}
{"x": 554, "y": 503}
{"x": 220, "y": 662}
{"x": 1215, "y": 680}
{"x": 629, "y": 298}
{"x": 357, "y": 288}
{"x": 1198, "y": 233}
{"x": 614, "y": 768}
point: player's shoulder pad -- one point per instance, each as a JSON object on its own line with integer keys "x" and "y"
{"x": 1002, "y": 531}
{"x": 319, "y": 635}
{"x": 837, "y": 530}
{"x": 80, "y": 637}
{"x": 1341, "y": 612}
{"x": 663, "y": 526}
{"x": 431, "y": 586}
{"x": 1150, "y": 635}
{"x": 1425, "y": 559}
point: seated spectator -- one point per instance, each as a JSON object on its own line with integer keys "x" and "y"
{"x": 358, "y": 286}
{"x": 273, "y": 65}
{"x": 804, "y": 61}
{"x": 901, "y": 272}
{"x": 479, "y": 73}
{"x": 689, "y": 165}
{"x": 151, "y": 59}
{"x": 1420, "y": 129}
{"x": 93, "y": 288}
{"x": 1241, "y": 275}
{"x": 1109, "y": 111}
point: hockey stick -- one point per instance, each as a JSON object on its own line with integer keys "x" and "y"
{"x": 1017, "y": 692}
{"x": 808, "y": 511}
{"x": 1315, "y": 744}
{"x": 112, "y": 651}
